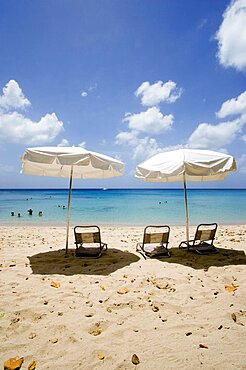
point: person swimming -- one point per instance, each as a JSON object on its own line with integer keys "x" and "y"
{"x": 30, "y": 211}
{"x": 40, "y": 213}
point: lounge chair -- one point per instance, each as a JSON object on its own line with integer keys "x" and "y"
{"x": 155, "y": 241}
{"x": 88, "y": 242}
{"x": 203, "y": 243}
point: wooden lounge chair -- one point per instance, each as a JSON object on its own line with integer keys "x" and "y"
{"x": 203, "y": 242}
{"x": 88, "y": 242}
{"x": 155, "y": 241}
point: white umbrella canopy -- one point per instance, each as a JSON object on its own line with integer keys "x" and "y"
{"x": 57, "y": 162}
{"x": 70, "y": 162}
{"x": 186, "y": 164}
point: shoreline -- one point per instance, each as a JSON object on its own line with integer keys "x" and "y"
{"x": 20, "y": 223}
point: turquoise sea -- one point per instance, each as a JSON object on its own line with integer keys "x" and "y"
{"x": 123, "y": 206}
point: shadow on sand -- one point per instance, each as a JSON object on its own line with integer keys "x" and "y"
{"x": 224, "y": 257}
{"x": 56, "y": 262}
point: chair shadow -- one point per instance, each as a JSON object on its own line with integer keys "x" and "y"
{"x": 56, "y": 262}
{"x": 224, "y": 257}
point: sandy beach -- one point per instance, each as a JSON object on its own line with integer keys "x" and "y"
{"x": 173, "y": 313}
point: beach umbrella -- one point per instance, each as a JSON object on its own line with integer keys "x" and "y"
{"x": 70, "y": 162}
{"x": 186, "y": 165}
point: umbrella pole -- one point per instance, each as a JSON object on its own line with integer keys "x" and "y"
{"x": 186, "y": 210}
{"x": 68, "y": 207}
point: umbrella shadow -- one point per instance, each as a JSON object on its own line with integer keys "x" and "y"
{"x": 56, "y": 262}
{"x": 224, "y": 257}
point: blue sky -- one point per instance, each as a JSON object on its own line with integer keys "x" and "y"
{"x": 126, "y": 78}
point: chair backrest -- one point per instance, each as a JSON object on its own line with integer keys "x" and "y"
{"x": 156, "y": 234}
{"x": 87, "y": 234}
{"x": 206, "y": 232}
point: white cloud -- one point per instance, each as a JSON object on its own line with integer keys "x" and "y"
{"x": 82, "y": 144}
{"x": 207, "y": 136}
{"x": 142, "y": 147}
{"x": 241, "y": 164}
{"x": 231, "y": 36}
{"x": 91, "y": 88}
{"x": 158, "y": 92}
{"x": 16, "y": 128}
{"x": 244, "y": 138}
{"x": 13, "y": 97}
{"x": 151, "y": 121}
{"x": 233, "y": 106}
{"x": 64, "y": 142}
{"x": 145, "y": 148}
{"x": 127, "y": 137}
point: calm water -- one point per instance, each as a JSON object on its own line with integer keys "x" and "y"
{"x": 115, "y": 206}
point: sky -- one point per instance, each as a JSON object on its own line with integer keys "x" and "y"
{"x": 125, "y": 78}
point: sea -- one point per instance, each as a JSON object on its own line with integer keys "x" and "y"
{"x": 122, "y": 206}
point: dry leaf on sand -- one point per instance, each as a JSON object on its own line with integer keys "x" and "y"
{"x": 231, "y": 288}
{"x": 32, "y": 365}
{"x": 55, "y": 284}
{"x": 135, "y": 359}
{"x": 123, "y": 291}
{"x": 234, "y": 317}
{"x": 155, "y": 308}
{"x": 102, "y": 286}
{"x": 13, "y": 363}
{"x": 100, "y": 356}
{"x": 54, "y": 340}
{"x": 203, "y": 346}
{"x": 95, "y": 332}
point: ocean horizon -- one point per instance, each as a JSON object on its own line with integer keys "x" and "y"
{"x": 140, "y": 206}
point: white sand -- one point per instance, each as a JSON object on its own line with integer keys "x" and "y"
{"x": 173, "y": 305}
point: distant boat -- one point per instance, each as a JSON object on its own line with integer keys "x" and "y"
{"x": 105, "y": 188}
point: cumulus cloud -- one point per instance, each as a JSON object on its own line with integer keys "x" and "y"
{"x": 127, "y": 137}
{"x": 15, "y": 128}
{"x": 158, "y": 92}
{"x": 64, "y": 142}
{"x": 233, "y": 106}
{"x": 151, "y": 121}
{"x": 208, "y": 136}
{"x": 141, "y": 147}
{"x": 231, "y": 36}
{"x": 146, "y": 147}
{"x": 13, "y": 97}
